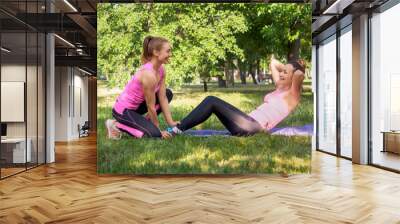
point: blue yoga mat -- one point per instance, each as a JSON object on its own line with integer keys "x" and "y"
{"x": 305, "y": 130}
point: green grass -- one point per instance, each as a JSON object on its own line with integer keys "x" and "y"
{"x": 261, "y": 153}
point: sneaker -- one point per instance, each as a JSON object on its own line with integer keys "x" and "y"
{"x": 112, "y": 130}
{"x": 174, "y": 130}
{"x": 169, "y": 130}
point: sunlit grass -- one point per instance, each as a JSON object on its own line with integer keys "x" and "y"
{"x": 196, "y": 155}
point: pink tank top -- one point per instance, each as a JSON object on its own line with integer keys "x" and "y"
{"x": 272, "y": 111}
{"x": 132, "y": 95}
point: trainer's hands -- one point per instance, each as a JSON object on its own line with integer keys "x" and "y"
{"x": 165, "y": 135}
{"x": 174, "y": 123}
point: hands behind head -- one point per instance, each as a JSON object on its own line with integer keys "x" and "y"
{"x": 298, "y": 73}
{"x": 301, "y": 62}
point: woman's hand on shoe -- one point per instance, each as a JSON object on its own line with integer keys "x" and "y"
{"x": 174, "y": 123}
{"x": 165, "y": 134}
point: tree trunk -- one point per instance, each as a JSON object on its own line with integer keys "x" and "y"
{"x": 229, "y": 74}
{"x": 232, "y": 77}
{"x": 147, "y": 25}
{"x": 242, "y": 73}
{"x": 106, "y": 74}
{"x": 226, "y": 72}
{"x": 252, "y": 73}
{"x": 243, "y": 77}
{"x": 205, "y": 86}
{"x": 294, "y": 50}
{"x": 236, "y": 70}
{"x": 221, "y": 82}
{"x": 258, "y": 71}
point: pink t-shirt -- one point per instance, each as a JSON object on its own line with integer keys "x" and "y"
{"x": 133, "y": 95}
{"x": 272, "y": 111}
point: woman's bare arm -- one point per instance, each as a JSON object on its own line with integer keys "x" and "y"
{"x": 162, "y": 97}
{"x": 275, "y": 67}
{"x": 149, "y": 82}
{"x": 297, "y": 82}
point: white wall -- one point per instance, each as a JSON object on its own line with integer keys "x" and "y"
{"x": 14, "y": 72}
{"x": 80, "y": 93}
{"x": 82, "y": 83}
{"x": 70, "y": 83}
{"x": 62, "y": 81}
{"x": 34, "y": 124}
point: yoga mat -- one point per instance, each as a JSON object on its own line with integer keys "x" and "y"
{"x": 305, "y": 130}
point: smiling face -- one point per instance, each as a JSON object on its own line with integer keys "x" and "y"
{"x": 164, "y": 53}
{"x": 286, "y": 75}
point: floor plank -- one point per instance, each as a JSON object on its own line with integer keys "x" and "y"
{"x": 70, "y": 191}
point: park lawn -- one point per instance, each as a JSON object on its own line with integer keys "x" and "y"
{"x": 260, "y": 153}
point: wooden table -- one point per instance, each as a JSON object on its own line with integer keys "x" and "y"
{"x": 391, "y": 141}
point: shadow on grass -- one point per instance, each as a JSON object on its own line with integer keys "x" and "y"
{"x": 191, "y": 155}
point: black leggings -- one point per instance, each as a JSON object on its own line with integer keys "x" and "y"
{"x": 237, "y": 122}
{"x": 134, "y": 118}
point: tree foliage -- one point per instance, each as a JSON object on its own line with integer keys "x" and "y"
{"x": 204, "y": 37}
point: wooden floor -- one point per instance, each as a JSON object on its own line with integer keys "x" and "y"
{"x": 387, "y": 159}
{"x": 10, "y": 171}
{"x": 70, "y": 191}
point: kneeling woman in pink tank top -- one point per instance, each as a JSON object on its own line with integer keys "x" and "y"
{"x": 145, "y": 93}
{"x": 277, "y": 105}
